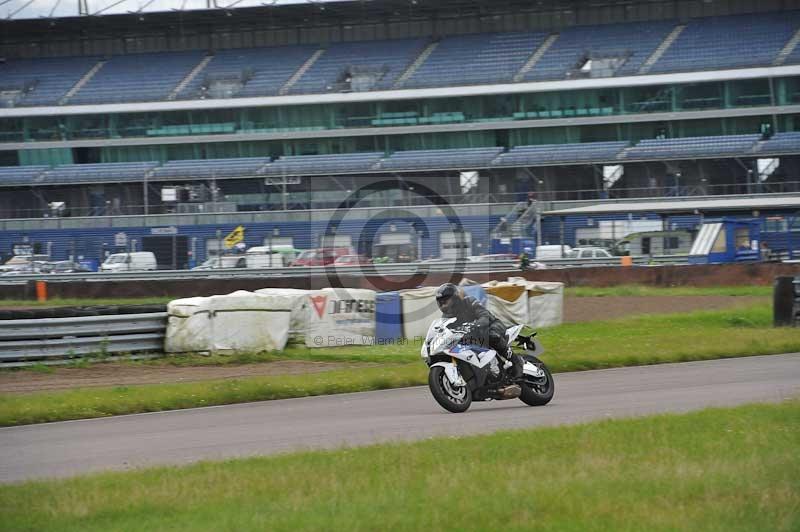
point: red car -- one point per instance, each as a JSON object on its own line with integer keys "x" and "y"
{"x": 320, "y": 257}
{"x": 352, "y": 260}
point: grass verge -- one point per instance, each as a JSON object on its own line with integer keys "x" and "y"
{"x": 633, "y": 290}
{"x": 726, "y": 470}
{"x": 570, "y": 347}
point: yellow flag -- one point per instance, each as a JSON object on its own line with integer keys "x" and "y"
{"x": 235, "y": 236}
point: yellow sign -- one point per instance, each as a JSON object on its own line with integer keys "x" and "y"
{"x": 236, "y": 236}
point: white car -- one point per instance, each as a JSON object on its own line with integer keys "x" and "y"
{"x": 589, "y": 253}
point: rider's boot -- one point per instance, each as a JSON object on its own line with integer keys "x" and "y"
{"x": 516, "y": 363}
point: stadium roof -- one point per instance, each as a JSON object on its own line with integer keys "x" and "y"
{"x": 685, "y": 205}
{"x": 33, "y": 9}
{"x": 107, "y": 18}
{"x": 59, "y": 9}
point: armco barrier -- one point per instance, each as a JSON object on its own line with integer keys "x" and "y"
{"x": 47, "y": 339}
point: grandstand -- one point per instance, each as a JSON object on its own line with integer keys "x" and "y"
{"x": 300, "y": 108}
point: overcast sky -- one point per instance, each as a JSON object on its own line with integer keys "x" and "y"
{"x": 18, "y": 9}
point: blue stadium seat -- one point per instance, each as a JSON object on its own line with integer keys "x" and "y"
{"x": 633, "y": 42}
{"x": 737, "y": 41}
{"x": 14, "y": 176}
{"x": 340, "y": 163}
{"x": 263, "y": 71}
{"x": 137, "y": 78}
{"x": 729, "y": 145}
{"x": 487, "y": 58}
{"x": 560, "y": 153}
{"x": 788, "y": 142}
{"x": 66, "y": 174}
{"x": 383, "y": 60}
{"x": 476, "y": 59}
{"x": 43, "y": 81}
{"x": 459, "y": 158}
{"x": 211, "y": 168}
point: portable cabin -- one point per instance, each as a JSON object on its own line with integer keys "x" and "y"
{"x": 727, "y": 240}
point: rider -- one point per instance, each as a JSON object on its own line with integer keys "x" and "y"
{"x": 488, "y": 331}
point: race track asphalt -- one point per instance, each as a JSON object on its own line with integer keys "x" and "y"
{"x": 184, "y": 436}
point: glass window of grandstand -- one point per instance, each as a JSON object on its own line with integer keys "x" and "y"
{"x": 787, "y": 90}
{"x": 699, "y": 96}
{"x": 647, "y": 99}
{"x": 422, "y": 112}
{"x": 748, "y": 93}
{"x": 11, "y": 130}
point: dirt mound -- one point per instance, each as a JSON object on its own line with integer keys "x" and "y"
{"x": 116, "y": 374}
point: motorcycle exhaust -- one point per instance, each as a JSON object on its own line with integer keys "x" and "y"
{"x": 510, "y": 392}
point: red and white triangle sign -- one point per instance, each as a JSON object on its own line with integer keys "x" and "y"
{"x": 319, "y": 304}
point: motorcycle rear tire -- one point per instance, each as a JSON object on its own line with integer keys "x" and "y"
{"x": 436, "y": 378}
{"x": 534, "y": 397}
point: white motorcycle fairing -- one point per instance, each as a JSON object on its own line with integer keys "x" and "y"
{"x": 442, "y": 340}
{"x": 531, "y": 369}
{"x": 451, "y": 372}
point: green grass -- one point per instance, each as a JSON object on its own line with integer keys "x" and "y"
{"x": 570, "y": 347}
{"x": 655, "y": 339}
{"x": 649, "y": 291}
{"x": 721, "y": 470}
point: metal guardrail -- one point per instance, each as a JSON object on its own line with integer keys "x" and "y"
{"x": 305, "y": 271}
{"x": 300, "y": 271}
{"x": 616, "y": 261}
{"x": 46, "y": 339}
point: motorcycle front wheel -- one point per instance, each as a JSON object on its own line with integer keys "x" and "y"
{"x": 452, "y": 398}
{"x": 537, "y": 392}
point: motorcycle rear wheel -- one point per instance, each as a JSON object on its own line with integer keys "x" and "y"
{"x": 452, "y": 398}
{"x": 537, "y": 392}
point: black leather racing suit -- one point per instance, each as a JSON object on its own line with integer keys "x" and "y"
{"x": 489, "y": 331}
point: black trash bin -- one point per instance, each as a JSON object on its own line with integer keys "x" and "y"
{"x": 784, "y": 301}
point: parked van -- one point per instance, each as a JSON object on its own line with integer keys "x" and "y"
{"x": 551, "y": 252}
{"x": 22, "y": 261}
{"x": 129, "y": 262}
{"x": 279, "y": 256}
{"x": 223, "y": 261}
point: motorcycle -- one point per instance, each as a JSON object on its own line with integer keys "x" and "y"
{"x": 462, "y": 372}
